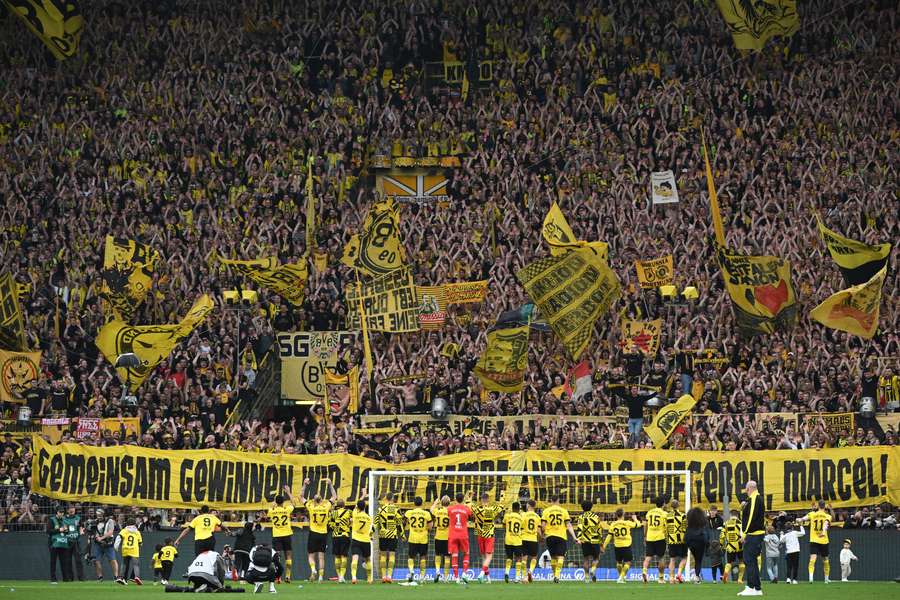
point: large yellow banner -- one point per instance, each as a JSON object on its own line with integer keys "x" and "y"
{"x": 858, "y": 261}
{"x": 377, "y": 249}
{"x": 501, "y": 368}
{"x": 854, "y": 310}
{"x": 12, "y": 325}
{"x": 559, "y": 236}
{"x": 305, "y": 357}
{"x": 390, "y": 303}
{"x": 57, "y": 23}
{"x": 788, "y": 479}
{"x": 752, "y": 23}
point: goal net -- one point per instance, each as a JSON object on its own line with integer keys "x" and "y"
{"x": 605, "y": 490}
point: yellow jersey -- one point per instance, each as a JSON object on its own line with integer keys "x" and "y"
{"x": 318, "y": 515}
{"x": 730, "y": 538}
{"x": 531, "y": 521}
{"x": 362, "y": 526}
{"x": 204, "y": 526}
{"x": 441, "y": 523}
{"x": 675, "y": 527}
{"x": 590, "y": 528}
{"x": 620, "y": 532}
{"x": 512, "y": 523}
{"x": 131, "y": 542}
{"x": 656, "y": 524}
{"x": 340, "y": 522}
{"x": 280, "y": 517}
{"x": 819, "y": 522}
{"x": 168, "y": 553}
{"x": 157, "y": 563}
{"x": 485, "y": 517}
{"x": 554, "y": 519}
{"x": 389, "y": 520}
{"x": 417, "y": 520}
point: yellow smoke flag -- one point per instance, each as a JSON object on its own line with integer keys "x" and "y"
{"x": 501, "y": 367}
{"x": 19, "y": 372}
{"x": 753, "y": 22}
{"x": 310, "y": 208}
{"x": 854, "y": 310}
{"x": 713, "y": 197}
{"x": 561, "y": 239}
{"x": 57, "y": 23}
{"x": 858, "y": 262}
{"x": 668, "y": 418}
{"x": 12, "y": 325}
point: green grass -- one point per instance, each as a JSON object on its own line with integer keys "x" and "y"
{"x": 40, "y": 590}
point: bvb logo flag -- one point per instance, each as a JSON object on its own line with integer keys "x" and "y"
{"x": 288, "y": 281}
{"x": 854, "y": 310}
{"x": 857, "y": 261}
{"x": 306, "y": 358}
{"x": 127, "y": 274}
{"x": 655, "y": 272}
{"x": 753, "y": 22}
{"x": 668, "y": 418}
{"x": 761, "y": 292}
{"x": 432, "y": 307}
{"x": 502, "y": 366}
{"x": 571, "y": 292}
{"x": 57, "y": 23}
{"x": 559, "y": 235}
{"x": 377, "y": 250}
{"x": 151, "y": 343}
{"x": 19, "y": 372}
{"x": 12, "y": 328}
{"x": 641, "y": 337}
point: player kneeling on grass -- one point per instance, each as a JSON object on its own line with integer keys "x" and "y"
{"x": 129, "y": 540}
{"x": 418, "y": 522}
{"x": 207, "y": 572}
{"x": 265, "y": 565}
{"x": 361, "y": 541}
{"x": 620, "y": 534}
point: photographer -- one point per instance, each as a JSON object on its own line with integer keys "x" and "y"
{"x": 103, "y": 538}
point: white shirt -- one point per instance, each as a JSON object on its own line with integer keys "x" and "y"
{"x": 847, "y": 555}
{"x": 205, "y": 563}
{"x": 791, "y": 540}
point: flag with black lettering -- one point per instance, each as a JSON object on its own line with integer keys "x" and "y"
{"x": 858, "y": 262}
{"x": 19, "y": 372}
{"x": 502, "y": 365}
{"x": 854, "y": 310}
{"x": 150, "y": 343}
{"x": 761, "y": 291}
{"x": 668, "y": 418}
{"x": 561, "y": 239}
{"x": 386, "y": 303}
{"x": 753, "y": 22}
{"x": 288, "y": 281}
{"x": 655, "y": 272}
{"x": 641, "y": 336}
{"x": 127, "y": 274}
{"x": 57, "y": 23}
{"x": 377, "y": 250}
{"x": 12, "y": 325}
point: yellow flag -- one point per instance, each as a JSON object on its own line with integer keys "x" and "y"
{"x": 19, "y": 372}
{"x": 668, "y": 418}
{"x": 320, "y": 260}
{"x": 752, "y": 23}
{"x": 367, "y": 348}
{"x": 377, "y": 250}
{"x": 350, "y": 381}
{"x": 561, "y": 239}
{"x": 310, "y": 208}
{"x": 641, "y": 336}
{"x": 713, "y": 197}
{"x": 57, "y": 23}
{"x": 288, "y": 281}
{"x": 854, "y": 310}
{"x": 655, "y": 272}
{"x": 150, "y": 343}
{"x": 761, "y": 291}
{"x": 12, "y": 328}
{"x": 501, "y": 367}
{"x": 857, "y": 261}
{"x": 127, "y": 274}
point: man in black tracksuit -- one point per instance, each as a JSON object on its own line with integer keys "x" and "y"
{"x": 753, "y": 528}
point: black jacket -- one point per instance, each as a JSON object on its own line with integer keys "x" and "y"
{"x": 753, "y": 515}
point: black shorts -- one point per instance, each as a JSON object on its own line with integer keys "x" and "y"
{"x": 677, "y": 551}
{"x": 201, "y": 546}
{"x": 417, "y": 550}
{"x": 513, "y": 551}
{"x": 556, "y": 546}
{"x": 819, "y": 549}
{"x": 317, "y": 542}
{"x": 387, "y": 544}
{"x": 281, "y": 543}
{"x": 529, "y": 548}
{"x": 440, "y": 548}
{"x": 734, "y": 557}
{"x": 590, "y": 550}
{"x": 656, "y": 548}
{"x": 340, "y": 545}
{"x": 363, "y": 549}
{"x": 623, "y": 555}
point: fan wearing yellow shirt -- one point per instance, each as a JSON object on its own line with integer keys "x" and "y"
{"x": 167, "y": 556}
{"x": 418, "y": 523}
{"x": 590, "y": 532}
{"x": 441, "y": 535}
{"x": 656, "y": 540}
{"x": 205, "y": 525}
{"x": 340, "y": 537}
{"x": 619, "y": 531}
{"x": 512, "y": 525}
{"x": 675, "y": 530}
{"x": 157, "y": 564}
{"x": 129, "y": 541}
{"x": 819, "y": 522}
{"x": 555, "y": 524}
{"x": 279, "y": 515}
{"x": 361, "y": 544}
{"x": 531, "y": 527}
{"x": 318, "y": 510}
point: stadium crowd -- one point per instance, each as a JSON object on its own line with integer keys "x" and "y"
{"x": 189, "y": 130}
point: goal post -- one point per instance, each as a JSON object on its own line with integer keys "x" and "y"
{"x": 607, "y": 490}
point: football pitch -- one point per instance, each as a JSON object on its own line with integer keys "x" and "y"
{"x": 39, "y": 590}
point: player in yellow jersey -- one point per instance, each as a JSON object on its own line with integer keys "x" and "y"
{"x": 157, "y": 564}
{"x": 205, "y": 525}
{"x": 339, "y": 522}
{"x": 389, "y": 523}
{"x": 655, "y": 521}
{"x": 279, "y": 515}
{"x": 361, "y": 541}
{"x": 129, "y": 541}
{"x": 441, "y": 534}
{"x": 590, "y": 533}
{"x": 730, "y": 539}
{"x": 167, "y": 556}
{"x": 619, "y": 532}
{"x": 418, "y": 523}
{"x": 675, "y": 529}
{"x": 555, "y": 524}
{"x": 512, "y": 526}
{"x": 486, "y": 514}
{"x": 318, "y": 510}
{"x": 819, "y": 521}
{"x": 531, "y": 528}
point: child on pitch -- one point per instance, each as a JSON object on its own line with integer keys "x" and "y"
{"x": 845, "y": 557}
{"x": 157, "y": 564}
{"x": 129, "y": 541}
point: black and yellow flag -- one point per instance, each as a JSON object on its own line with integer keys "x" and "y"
{"x": 761, "y": 291}
{"x": 127, "y": 274}
{"x": 571, "y": 292}
{"x": 640, "y": 336}
{"x": 151, "y": 343}
{"x": 561, "y": 239}
{"x": 57, "y": 23}
{"x": 342, "y": 387}
{"x": 857, "y": 261}
{"x": 502, "y": 366}
{"x": 854, "y": 310}
{"x": 377, "y": 250}
{"x": 655, "y": 272}
{"x": 753, "y": 22}
{"x": 288, "y": 281}
{"x": 668, "y": 418}
{"x": 12, "y": 325}
{"x": 19, "y": 372}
